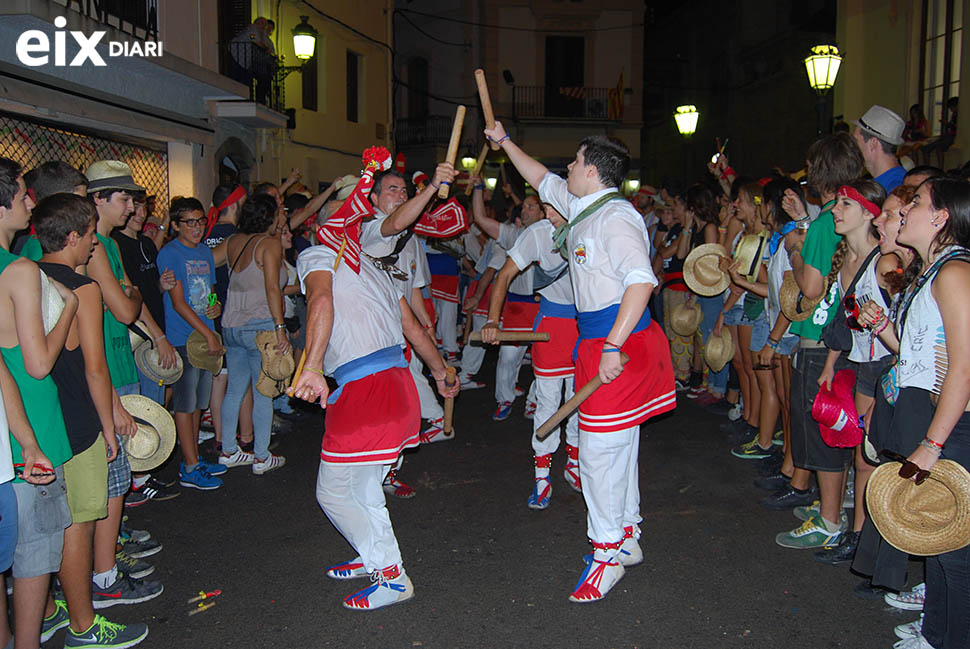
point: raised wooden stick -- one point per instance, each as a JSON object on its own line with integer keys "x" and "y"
{"x": 486, "y": 104}
{"x": 297, "y": 373}
{"x": 567, "y": 408}
{"x": 453, "y": 147}
{"x": 515, "y": 336}
{"x": 478, "y": 170}
{"x": 447, "y": 427}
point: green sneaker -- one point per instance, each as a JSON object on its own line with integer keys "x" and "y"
{"x": 779, "y": 438}
{"x": 57, "y": 621}
{"x": 106, "y": 635}
{"x": 805, "y": 512}
{"x": 752, "y": 451}
{"x": 811, "y": 534}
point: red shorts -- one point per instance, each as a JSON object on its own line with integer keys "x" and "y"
{"x": 644, "y": 389}
{"x": 519, "y": 316}
{"x": 482, "y": 308}
{"x": 373, "y": 420}
{"x": 554, "y": 359}
{"x": 445, "y": 287}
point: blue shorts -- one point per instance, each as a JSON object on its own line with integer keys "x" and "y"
{"x": 8, "y": 525}
{"x": 733, "y": 316}
{"x": 760, "y": 330}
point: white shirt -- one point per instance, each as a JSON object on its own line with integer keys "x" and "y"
{"x": 372, "y": 241}
{"x": 491, "y": 251}
{"x": 607, "y": 252}
{"x": 507, "y": 236}
{"x": 866, "y": 289}
{"x": 6, "y": 457}
{"x": 366, "y": 307}
{"x": 778, "y": 265}
{"x": 535, "y": 245}
{"x": 472, "y": 247}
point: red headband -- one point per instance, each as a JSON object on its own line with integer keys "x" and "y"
{"x": 853, "y": 193}
{"x": 237, "y": 194}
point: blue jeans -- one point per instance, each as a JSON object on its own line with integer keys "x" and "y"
{"x": 243, "y": 362}
{"x": 711, "y": 308}
{"x": 151, "y": 389}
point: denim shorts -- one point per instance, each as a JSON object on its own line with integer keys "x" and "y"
{"x": 43, "y": 516}
{"x": 733, "y": 316}
{"x": 760, "y": 330}
{"x": 788, "y": 345}
{"x": 867, "y": 375}
{"x": 809, "y": 451}
{"x": 8, "y": 525}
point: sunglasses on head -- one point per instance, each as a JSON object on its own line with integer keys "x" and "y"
{"x": 851, "y": 307}
{"x": 909, "y": 469}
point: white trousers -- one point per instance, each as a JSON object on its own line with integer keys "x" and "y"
{"x": 611, "y": 486}
{"x": 447, "y": 328}
{"x": 430, "y": 408}
{"x": 507, "y": 371}
{"x": 548, "y": 398}
{"x": 473, "y": 355}
{"x": 352, "y": 498}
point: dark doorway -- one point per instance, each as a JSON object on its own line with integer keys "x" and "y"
{"x": 565, "y": 61}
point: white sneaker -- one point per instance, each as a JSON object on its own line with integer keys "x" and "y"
{"x": 270, "y": 463}
{"x": 911, "y": 600}
{"x": 910, "y": 629}
{"x": 390, "y": 586}
{"x": 917, "y": 642}
{"x": 736, "y": 410}
{"x": 239, "y": 458}
{"x": 205, "y": 435}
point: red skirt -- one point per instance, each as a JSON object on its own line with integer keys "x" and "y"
{"x": 554, "y": 359}
{"x": 429, "y": 307}
{"x": 373, "y": 420}
{"x": 519, "y": 316}
{"x": 644, "y": 389}
{"x": 445, "y": 287}
{"x": 482, "y": 308}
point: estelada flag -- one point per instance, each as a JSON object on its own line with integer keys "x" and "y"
{"x": 445, "y": 221}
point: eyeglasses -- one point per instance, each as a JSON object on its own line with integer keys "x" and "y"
{"x": 193, "y": 223}
{"x": 851, "y": 307}
{"x": 909, "y": 469}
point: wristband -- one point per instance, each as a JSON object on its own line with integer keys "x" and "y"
{"x": 881, "y": 327}
{"x": 929, "y": 446}
{"x": 606, "y": 342}
{"x": 162, "y": 337}
{"x": 934, "y": 443}
{"x": 502, "y": 139}
{"x": 773, "y": 344}
{"x": 281, "y": 325}
{"x": 862, "y": 421}
{"x": 482, "y": 186}
{"x": 607, "y": 350}
{"x": 491, "y": 322}
{"x": 314, "y": 370}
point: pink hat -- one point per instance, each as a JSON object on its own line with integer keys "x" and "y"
{"x": 835, "y": 412}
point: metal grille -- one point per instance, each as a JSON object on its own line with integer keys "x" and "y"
{"x": 33, "y": 144}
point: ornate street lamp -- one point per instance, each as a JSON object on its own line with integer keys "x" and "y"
{"x": 686, "y": 118}
{"x": 823, "y": 68}
{"x": 304, "y": 39}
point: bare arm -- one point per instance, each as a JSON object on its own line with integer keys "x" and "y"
{"x": 125, "y": 308}
{"x": 500, "y": 290}
{"x": 22, "y": 431}
{"x": 272, "y": 259}
{"x": 472, "y": 301}
{"x": 311, "y": 385}
{"x": 419, "y": 309}
{"x": 39, "y": 351}
{"x": 632, "y": 306}
{"x": 531, "y": 169}
{"x": 299, "y": 216}
{"x": 402, "y": 218}
{"x": 427, "y": 350}
{"x": 488, "y": 225}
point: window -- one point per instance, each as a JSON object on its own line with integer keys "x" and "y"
{"x": 940, "y": 53}
{"x": 353, "y": 87}
{"x": 309, "y": 77}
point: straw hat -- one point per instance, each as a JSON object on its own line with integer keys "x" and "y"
{"x": 51, "y": 303}
{"x": 345, "y": 185}
{"x": 750, "y": 252}
{"x": 271, "y": 388}
{"x": 835, "y": 412}
{"x": 685, "y": 319}
{"x": 927, "y": 519}
{"x": 154, "y": 440}
{"x": 794, "y": 305}
{"x": 276, "y": 366}
{"x": 197, "y": 349}
{"x": 719, "y": 350}
{"x": 146, "y": 359}
{"x": 702, "y": 273}
{"x": 110, "y": 174}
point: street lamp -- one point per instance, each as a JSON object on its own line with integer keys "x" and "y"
{"x": 686, "y": 118}
{"x": 304, "y": 42}
{"x": 823, "y": 68}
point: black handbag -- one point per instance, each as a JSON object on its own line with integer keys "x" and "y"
{"x": 836, "y": 334}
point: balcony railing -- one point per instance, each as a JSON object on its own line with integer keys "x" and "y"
{"x": 551, "y": 102}
{"x": 256, "y": 68}
{"x": 138, "y": 18}
{"x": 433, "y": 129}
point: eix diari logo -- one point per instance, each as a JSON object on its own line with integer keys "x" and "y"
{"x": 34, "y": 48}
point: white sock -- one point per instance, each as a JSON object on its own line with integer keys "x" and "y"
{"x": 105, "y": 579}
{"x": 138, "y": 481}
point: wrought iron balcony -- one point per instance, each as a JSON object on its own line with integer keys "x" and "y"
{"x": 572, "y": 103}
{"x": 430, "y": 130}
{"x": 138, "y": 18}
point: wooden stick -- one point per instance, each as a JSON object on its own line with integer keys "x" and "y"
{"x": 486, "y": 104}
{"x": 469, "y": 314}
{"x": 453, "y": 147}
{"x": 567, "y": 408}
{"x": 478, "y": 170}
{"x": 447, "y": 427}
{"x": 515, "y": 336}
{"x": 297, "y": 373}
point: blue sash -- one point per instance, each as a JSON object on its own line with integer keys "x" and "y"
{"x": 382, "y": 359}
{"x": 597, "y": 324}
{"x": 442, "y": 264}
{"x": 519, "y": 297}
{"x": 550, "y": 309}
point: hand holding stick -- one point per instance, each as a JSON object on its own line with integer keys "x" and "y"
{"x": 515, "y": 336}
{"x": 486, "y": 103}
{"x": 447, "y": 427}
{"x": 567, "y": 408}
{"x": 477, "y": 173}
{"x": 453, "y": 147}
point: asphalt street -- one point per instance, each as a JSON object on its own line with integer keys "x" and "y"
{"x": 489, "y": 572}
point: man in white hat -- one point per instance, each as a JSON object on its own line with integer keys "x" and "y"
{"x": 878, "y": 132}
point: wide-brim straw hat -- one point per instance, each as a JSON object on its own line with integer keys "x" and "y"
{"x": 110, "y": 174}
{"x": 927, "y": 519}
{"x": 197, "y": 349}
{"x": 277, "y": 366}
{"x": 750, "y": 252}
{"x": 345, "y": 185}
{"x": 154, "y": 438}
{"x": 51, "y": 303}
{"x": 719, "y": 350}
{"x": 794, "y": 305}
{"x": 835, "y": 412}
{"x": 269, "y": 387}
{"x": 685, "y": 319}
{"x": 702, "y": 274}
{"x": 146, "y": 359}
